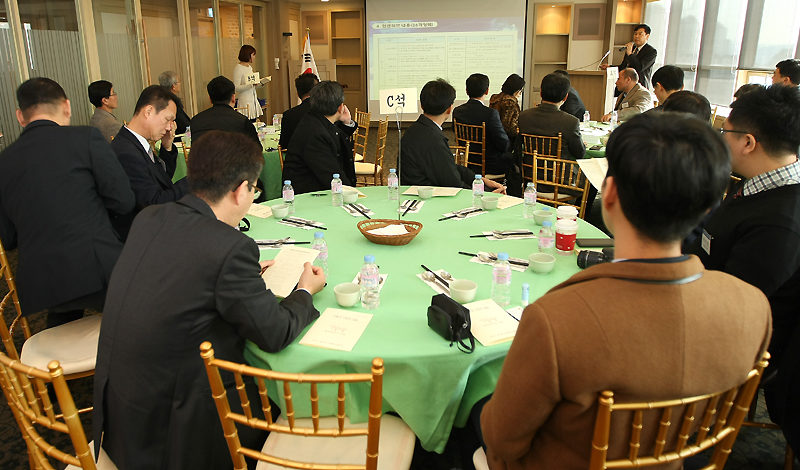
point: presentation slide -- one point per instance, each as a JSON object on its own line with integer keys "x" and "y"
{"x": 408, "y": 51}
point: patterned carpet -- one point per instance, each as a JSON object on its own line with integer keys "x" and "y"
{"x": 755, "y": 449}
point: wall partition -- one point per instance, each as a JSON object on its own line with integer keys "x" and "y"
{"x": 9, "y": 127}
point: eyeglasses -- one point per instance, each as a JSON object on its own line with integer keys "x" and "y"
{"x": 734, "y": 131}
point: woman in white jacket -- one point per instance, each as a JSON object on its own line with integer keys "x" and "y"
{"x": 246, "y": 93}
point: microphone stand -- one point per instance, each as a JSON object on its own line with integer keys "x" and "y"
{"x": 398, "y": 113}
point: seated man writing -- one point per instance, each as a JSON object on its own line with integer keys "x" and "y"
{"x": 653, "y": 325}
{"x": 426, "y": 158}
{"x": 185, "y": 276}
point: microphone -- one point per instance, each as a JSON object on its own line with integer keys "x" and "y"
{"x": 622, "y": 48}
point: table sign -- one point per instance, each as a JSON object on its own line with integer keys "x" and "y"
{"x": 595, "y": 170}
{"x": 490, "y": 323}
{"x": 282, "y": 276}
{"x": 337, "y": 329}
{"x": 257, "y": 210}
{"x": 393, "y": 99}
{"x": 255, "y": 78}
{"x": 437, "y": 191}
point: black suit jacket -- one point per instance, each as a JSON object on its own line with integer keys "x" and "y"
{"x": 548, "y": 120}
{"x": 474, "y": 112}
{"x": 151, "y": 183}
{"x": 291, "y": 118}
{"x": 223, "y": 118}
{"x": 574, "y": 104}
{"x": 182, "y": 119}
{"x": 184, "y": 277}
{"x": 57, "y": 187}
{"x": 642, "y": 62}
{"x": 427, "y": 160}
{"x": 319, "y": 149}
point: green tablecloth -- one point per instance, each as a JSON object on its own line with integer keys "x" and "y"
{"x": 431, "y": 385}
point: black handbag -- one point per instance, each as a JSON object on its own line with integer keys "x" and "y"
{"x": 451, "y": 320}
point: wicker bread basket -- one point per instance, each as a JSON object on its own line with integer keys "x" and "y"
{"x": 394, "y": 240}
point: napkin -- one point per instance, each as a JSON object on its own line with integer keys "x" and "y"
{"x": 435, "y": 284}
{"x": 414, "y": 210}
{"x": 394, "y": 229}
{"x": 272, "y": 247}
{"x": 355, "y": 213}
{"x": 514, "y": 267}
{"x": 509, "y": 237}
{"x": 288, "y": 222}
{"x": 471, "y": 214}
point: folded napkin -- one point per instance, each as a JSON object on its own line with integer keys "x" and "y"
{"x": 514, "y": 267}
{"x": 462, "y": 211}
{"x": 509, "y": 237}
{"x": 435, "y": 284}
{"x": 275, "y": 246}
{"x": 355, "y": 213}
{"x": 394, "y": 229}
{"x": 288, "y": 222}
{"x": 414, "y": 210}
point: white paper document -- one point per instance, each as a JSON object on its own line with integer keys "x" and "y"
{"x": 509, "y": 201}
{"x": 337, "y": 329}
{"x": 257, "y": 210}
{"x": 282, "y": 276}
{"x": 437, "y": 191}
{"x": 490, "y": 323}
{"x": 595, "y": 170}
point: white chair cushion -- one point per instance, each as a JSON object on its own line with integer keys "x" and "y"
{"x": 479, "y": 460}
{"x": 395, "y": 448}
{"x": 73, "y": 344}
{"x": 359, "y": 157}
{"x": 104, "y": 463}
{"x": 366, "y": 169}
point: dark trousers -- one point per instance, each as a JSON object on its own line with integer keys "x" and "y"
{"x": 73, "y": 310}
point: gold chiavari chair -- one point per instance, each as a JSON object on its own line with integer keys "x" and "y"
{"x": 360, "y": 135}
{"x": 560, "y": 182}
{"x": 374, "y": 170}
{"x": 474, "y": 138}
{"x": 329, "y": 439}
{"x": 280, "y": 155}
{"x": 244, "y": 110}
{"x": 25, "y": 390}
{"x": 460, "y": 154}
{"x": 543, "y": 146}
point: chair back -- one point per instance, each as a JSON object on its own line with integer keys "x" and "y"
{"x": 714, "y": 115}
{"x": 280, "y": 155}
{"x": 25, "y": 390}
{"x": 361, "y": 134}
{"x": 543, "y": 145}
{"x": 186, "y": 149}
{"x": 244, "y": 110}
{"x": 460, "y": 154}
{"x": 6, "y": 333}
{"x": 380, "y": 150}
{"x": 229, "y": 419}
{"x": 559, "y": 182}
{"x": 722, "y": 417}
{"x": 467, "y": 134}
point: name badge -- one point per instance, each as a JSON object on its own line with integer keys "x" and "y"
{"x": 706, "y": 242}
{"x": 625, "y": 105}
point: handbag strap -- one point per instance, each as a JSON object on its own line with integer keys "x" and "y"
{"x": 463, "y": 347}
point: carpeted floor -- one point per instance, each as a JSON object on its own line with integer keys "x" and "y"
{"x": 755, "y": 449}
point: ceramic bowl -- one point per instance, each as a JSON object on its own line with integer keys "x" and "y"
{"x": 540, "y": 216}
{"x": 463, "y": 290}
{"x": 425, "y": 192}
{"x": 347, "y": 294}
{"x": 350, "y": 197}
{"x": 280, "y": 211}
{"x": 541, "y": 263}
{"x": 490, "y": 202}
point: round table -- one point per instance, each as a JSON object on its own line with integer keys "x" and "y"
{"x": 430, "y": 384}
{"x": 592, "y": 136}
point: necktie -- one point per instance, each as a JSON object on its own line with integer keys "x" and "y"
{"x": 156, "y": 159}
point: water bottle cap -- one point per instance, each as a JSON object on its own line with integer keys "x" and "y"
{"x": 502, "y": 256}
{"x": 336, "y": 175}
{"x": 318, "y": 234}
{"x": 287, "y": 182}
{"x": 392, "y": 170}
{"x": 369, "y": 259}
{"x": 531, "y": 184}
{"x": 525, "y": 286}
{"x": 477, "y": 177}
{"x": 547, "y": 223}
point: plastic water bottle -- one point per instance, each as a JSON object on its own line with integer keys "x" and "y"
{"x": 586, "y": 117}
{"x": 370, "y": 284}
{"x": 547, "y": 238}
{"x": 501, "y": 280}
{"x": 288, "y": 195}
{"x": 526, "y": 293}
{"x": 477, "y": 191}
{"x": 614, "y": 119}
{"x": 530, "y": 200}
{"x": 393, "y": 185}
{"x": 336, "y": 190}
{"x": 187, "y": 136}
{"x": 322, "y": 258}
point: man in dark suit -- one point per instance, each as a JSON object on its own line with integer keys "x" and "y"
{"x": 639, "y": 55}
{"x": 574, "y": 104}
{"x": 292, "y": 117}
{"x": 427, "y": 160}
{"x": 171, "y": 82}
{"x": 320, "y": 146}
{"x": 548, "y": 119}
{"x": 57, "y": 186}
{"x": 153, "y": 403}
{"x": 475, "y": 113}
{"x": 221, "y": 115}
{"x": 150, "y": 173}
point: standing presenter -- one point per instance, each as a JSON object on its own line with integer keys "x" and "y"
{"x": 246, "y": 92}
{"x": 639, "y": 55}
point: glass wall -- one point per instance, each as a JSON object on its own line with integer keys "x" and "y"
{"x": 231, "y": 40}
{"x": 164, "y": 51}
{"x": 9, "y": 127}
{"x": 115, "y": 28}
{"x": 55, "y": 50}
{"x": 204, "y": 49}
{"x": 253, "y": 36}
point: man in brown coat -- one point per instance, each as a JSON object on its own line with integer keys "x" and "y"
{"x": 652, "y": 325}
